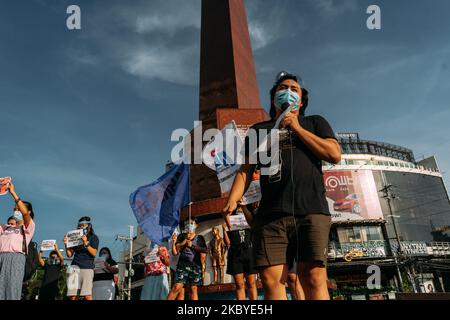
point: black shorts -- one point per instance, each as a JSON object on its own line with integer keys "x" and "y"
{"x": 282, "y": 240}
{"x": 241, "y": 261}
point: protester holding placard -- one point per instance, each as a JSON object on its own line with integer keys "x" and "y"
{"x": 189, "y": 246}
{"x": 14, "y": 240}
{"x": 157, "y": 262}
{"x": 52, "y": 270}
{"x": 80, "y": 274}
{"x": 240, "y": 262}
{"x": 104, "y": 287}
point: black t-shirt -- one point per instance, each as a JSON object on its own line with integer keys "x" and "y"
{"x": 51, "y": 275}
{"x": 82, "y": 257}
{"x": 190, "y": 256}
{"x": 105, "y": 275}
{"x": 308, "y": 187}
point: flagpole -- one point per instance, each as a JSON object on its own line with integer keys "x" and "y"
{"x": 190, "y": 211}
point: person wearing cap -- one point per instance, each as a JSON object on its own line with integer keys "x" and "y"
{"x": 81, "y": 273}
{"x": 293, "y": 220}
{"x": 15, "y": 237}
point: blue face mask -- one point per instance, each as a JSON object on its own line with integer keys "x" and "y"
{"x": 18, "y": 216}
{"x": 286, "y": 98}
{"x": 190, "y": 228}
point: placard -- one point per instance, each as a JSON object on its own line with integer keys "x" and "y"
{"x": 99, "y": 264}
{"x": 74, "y": 238}
{"x": 238, "y": 222}
{"x": 4, "y": 185}
{"x": 253, "y": 193}
{"x": 48, "y": 245}
{"x": 152, "y": 256}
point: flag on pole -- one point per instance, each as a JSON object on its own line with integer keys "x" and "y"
{"x": 224, "y": 152}
{"x": 157, "y": 206}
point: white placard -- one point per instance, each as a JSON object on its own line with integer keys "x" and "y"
{"x": 152, "y": 256}
{"x": 99, "y": 264}
{"x": 253, "y": 193}
{"x": 74, "y": 238}
{"x": 48, "y": 245}
{"x": 238, "y": 222}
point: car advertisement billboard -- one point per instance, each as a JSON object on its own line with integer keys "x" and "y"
{"x": 352, "y": 195}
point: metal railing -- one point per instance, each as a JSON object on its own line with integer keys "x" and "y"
{"x": 380, "y": 249}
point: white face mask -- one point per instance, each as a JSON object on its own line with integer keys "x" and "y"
{"x": 190, "y": 228}
{"x": 105, "y": 255}
{"x": 18, "y": 216}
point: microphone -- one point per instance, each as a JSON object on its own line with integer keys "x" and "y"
{"x": 285, "y": 106}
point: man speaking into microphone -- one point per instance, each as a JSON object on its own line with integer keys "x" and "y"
{"x": 293, "y": 222}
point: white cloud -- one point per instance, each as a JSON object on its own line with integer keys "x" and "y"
{"x": 335, "y": 7}
{"x": 167, "y": 20}
{"x": 267, "y": 26}
{"x": 261, "y": 35}
{"x": 152, "y": 42}
{"x": 163, "y": 63}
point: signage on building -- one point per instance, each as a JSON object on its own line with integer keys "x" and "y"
{"x": 352, "y": 195}
{"x": 411, "y": 248}
{"x": 351, "y": 251}
{"x": 352, "y": 136}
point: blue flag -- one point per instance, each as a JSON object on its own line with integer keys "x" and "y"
{"x": 157, "y": 206}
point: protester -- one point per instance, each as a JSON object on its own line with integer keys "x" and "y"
{"x": 189, "y": 246}
{"x": 31, "y": 267}
{"x": 15, "y": 237}
{"x": 293, "y": 220}
{"x": 156, "y": 285}
{"x": 52, "y": 270}
{"x": 173, "y": 266}
{"x": 104, "y": 287}
{"x": 81, "y": 273}
{"x": 240, "y": 262}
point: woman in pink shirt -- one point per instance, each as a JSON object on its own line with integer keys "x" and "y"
{"x": 14, "y": 239}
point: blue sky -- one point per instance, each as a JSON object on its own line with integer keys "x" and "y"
{"x": 87, "y": 115}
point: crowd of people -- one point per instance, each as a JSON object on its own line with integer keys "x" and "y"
{"x": 19, "y": 260}
{"x": 285, "y": 244}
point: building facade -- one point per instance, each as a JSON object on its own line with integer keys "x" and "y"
{"x": 381, "y": 200}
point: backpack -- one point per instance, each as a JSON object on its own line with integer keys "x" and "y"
{"x": 32, "y": 261}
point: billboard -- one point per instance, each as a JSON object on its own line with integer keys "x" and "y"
{"x": 352, "y": 195}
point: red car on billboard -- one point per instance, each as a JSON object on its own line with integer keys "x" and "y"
{"x": 348, "y": 204}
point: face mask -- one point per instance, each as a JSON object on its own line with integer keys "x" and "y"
{"x": 18, "y": 216}
{"x": 286, "y": 98}
{"x": 190, "y": 228}
{"x": 105, "y": 255}
{"x": 53, "y": 260}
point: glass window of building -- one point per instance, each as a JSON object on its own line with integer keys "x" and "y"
{"x": 374, "y": 233}
{"x": 349, "y": 234}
